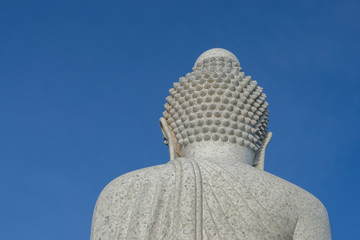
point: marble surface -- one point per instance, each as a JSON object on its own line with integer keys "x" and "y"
{"x": 212, "y": 187}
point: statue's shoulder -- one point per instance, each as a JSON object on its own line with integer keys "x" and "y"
{"x": 290, "y": 199}
{"x": 126, "y": 198}
{"x": 273, "y": 192}
{"x": 141, "y": 176}
{"x": 301, "y": 197}
{"x": 296, "y": 204}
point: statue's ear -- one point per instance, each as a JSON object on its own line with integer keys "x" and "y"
{"x": 259, "y": 159}
{"x": 170, "y": 139}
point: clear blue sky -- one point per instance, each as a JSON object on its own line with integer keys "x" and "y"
{"x": 83, "y": 83}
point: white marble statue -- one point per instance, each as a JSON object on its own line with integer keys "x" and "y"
{"x": 214, "y": 186}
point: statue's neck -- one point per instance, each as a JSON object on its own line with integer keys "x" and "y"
{"x": 219, "y": 152}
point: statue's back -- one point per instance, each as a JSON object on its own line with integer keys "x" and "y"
{"x": 189, "y": 199}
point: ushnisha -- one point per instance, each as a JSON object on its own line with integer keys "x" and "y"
{"x": 214, "y": 186}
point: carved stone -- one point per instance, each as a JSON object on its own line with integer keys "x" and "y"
{"x": 214, "y": 186}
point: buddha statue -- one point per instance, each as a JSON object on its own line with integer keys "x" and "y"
{"x": 214, "y": 186}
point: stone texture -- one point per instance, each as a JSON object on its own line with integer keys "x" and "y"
{"x": 213, "y": 187}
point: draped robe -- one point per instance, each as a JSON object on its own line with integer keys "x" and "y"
{"x": 206, "y": 199}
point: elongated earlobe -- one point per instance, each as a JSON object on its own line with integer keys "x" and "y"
{"x": 170, "y": 140}
{"x": 259, "y": 160}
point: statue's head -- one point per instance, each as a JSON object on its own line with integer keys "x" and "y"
{"x": 217, "y": 104}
